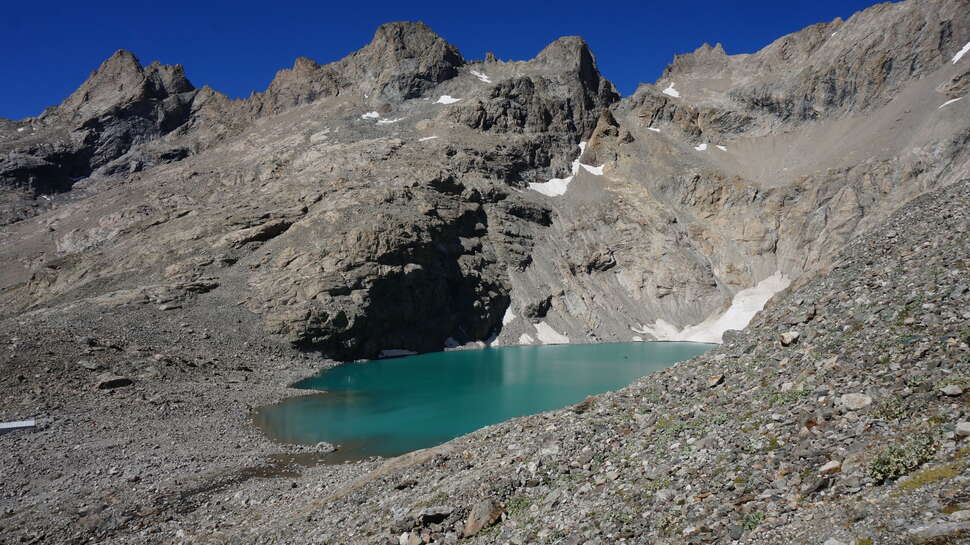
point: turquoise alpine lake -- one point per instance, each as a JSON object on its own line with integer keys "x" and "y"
{"x": 393, "y": 406}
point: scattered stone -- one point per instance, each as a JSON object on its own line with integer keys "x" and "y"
{"x": 952, "y": 390}
{"x": 434, "y": 514}
{"x": 963, "y": 429}
{"x": 483, "y": 514}
{"x": 789, "y": 338}
{"x": 89, "y": 365}
{"x": 832, "y": 466}
{"x": 109, "y": 381}
{"x": 855, "y": 402}
{"x": 960, "y": 516}
{"x": 715, "y": 380}
{"x": 833, "y": 541}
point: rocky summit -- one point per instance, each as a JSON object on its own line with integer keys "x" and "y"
{"x": 173, "y": 258}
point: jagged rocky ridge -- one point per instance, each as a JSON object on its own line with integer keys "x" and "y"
{"x": 353, "y": 206}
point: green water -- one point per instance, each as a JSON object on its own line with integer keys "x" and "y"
{"x": 393, "y": 406}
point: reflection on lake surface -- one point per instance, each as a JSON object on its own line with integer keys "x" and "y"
{"x": 389, "y": 407}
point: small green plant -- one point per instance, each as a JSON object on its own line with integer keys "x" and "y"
{"x": 518, "y": 505}
{"x": 752, "y": 520}
{"x": 895, "y": 461}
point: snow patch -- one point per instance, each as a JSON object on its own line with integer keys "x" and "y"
{"x": 446, "y": 99}
{"x": 595, "y": 171}
{"x": 951, "y": 101}
{"x": 744, "y": 306}
{"x": 557, "y": 186}
{"x": 653, "y": 129}
{"x": 395, "y": 353}
{"x": 426, "y": 138}
{"x": 21, "y": 129}
{"x": 370, "y": 115}
{"x": 701, "y": 147}
{"x": 671, "y": 91}
{"x": 450, "y": 342}
{"x": 509, "y": 316}
{"x": 389, "y": 121}
{"x": 481, "y": 76}
{"x": 722, "y": 148}
{"x": 548, "y": 335}
{"x": 637, "y": 339}
{"x": 961, "y": 53}
{"x": 525, "y": 338}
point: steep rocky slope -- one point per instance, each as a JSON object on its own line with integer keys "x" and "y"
{"x": 353, "y": 204}
{"x": 839, "y": 414}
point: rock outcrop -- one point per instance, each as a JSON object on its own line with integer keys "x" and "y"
{"x": 406, "y": 198}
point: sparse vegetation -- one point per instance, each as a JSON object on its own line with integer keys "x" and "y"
{"x": 895, "y": 461}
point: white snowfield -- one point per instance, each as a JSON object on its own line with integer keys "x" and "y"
{"x": 653, "y": 129}
{"x": 395, "y": 353}
{"x": 548, "y": 335}
{"x": 671, "y": 91}
{"x": 557, "y": 186}
{"x": 370, "y": 115}
{"x": 701, "y": 147}
{"x": 509, "y": 316}
{"x": 481, "y": 76}
{"x": 951, "y": 101}
{"x": 525, "y": 338}
{"x": 722, "y": 148}
{"x": 961, "y": 53}
{"x": 450, "y": 342}
{"x": 744, "y": 306}
{"x": 389, "y": 121}
{"x": 447, "y": 99}
{"x": 426, "y": 138}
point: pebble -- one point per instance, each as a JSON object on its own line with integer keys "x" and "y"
{"x": 855, "y": 402}
{"x": 952, "y": 390}
{"x": 963, "y": 429}
{"x": 790, "y": 337}
{"x": 832, "y": 466}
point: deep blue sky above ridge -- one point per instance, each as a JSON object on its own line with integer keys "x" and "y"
{"x": 48, "y": 48}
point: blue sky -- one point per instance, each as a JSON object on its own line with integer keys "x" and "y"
{"x": 48, "y": 48}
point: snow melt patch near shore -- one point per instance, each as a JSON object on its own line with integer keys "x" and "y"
{"x": 671, "y": 91}
{"x": 961, "y": 53}
{"x": 370, "y": 115}
{"x": 701, "y": 147}
{"x": 744, "y": 306}
{"x": 509, "y": 316}
{"x": 951, "y": 101}
{"x": 447, "y": 99}
{"x": 548, "y": 335}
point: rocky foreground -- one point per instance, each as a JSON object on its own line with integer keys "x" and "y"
{"x": 840, "y": 416}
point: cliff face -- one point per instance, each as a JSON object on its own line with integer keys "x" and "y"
{"x": 406, "y": 198}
